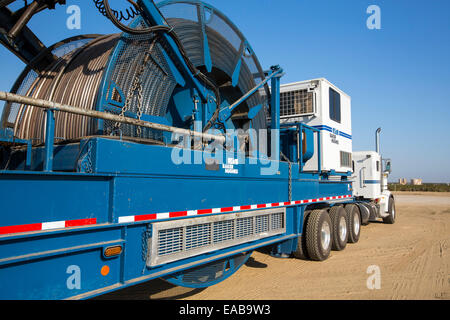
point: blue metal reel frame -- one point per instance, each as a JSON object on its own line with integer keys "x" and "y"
{"x": 153, "y": 17}
{"x": 131, "y": 179}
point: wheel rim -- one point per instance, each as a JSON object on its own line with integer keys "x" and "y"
{"x": 342, "y": 228}
{"x": 325, "y": 235}
{"x": 356, "y": 224}
{"x": 393, "y": 213}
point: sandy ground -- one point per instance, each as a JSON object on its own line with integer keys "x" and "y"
{"x": 412, "y": 256}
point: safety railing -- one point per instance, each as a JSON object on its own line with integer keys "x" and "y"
{"x": 299, "y": 127}
{"x": 51, "y": 107}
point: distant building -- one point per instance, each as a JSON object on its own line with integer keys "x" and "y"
{"x": 402, "y": 181}
{"x": 416, "y": 182}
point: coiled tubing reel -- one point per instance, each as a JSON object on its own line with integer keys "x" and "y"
{"x": 134, "y": 75}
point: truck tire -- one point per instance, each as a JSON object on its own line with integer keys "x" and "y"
{"x": 392, "y": 212}
{"x": 302, "y": 252}
{"x": 354, "y": 223}
{"x": 319, "y": 233}
{"x": 339, "y": 224}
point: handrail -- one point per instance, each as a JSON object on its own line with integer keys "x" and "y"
{"x": 49, "y": 105}
{"x": 300, "y": 127}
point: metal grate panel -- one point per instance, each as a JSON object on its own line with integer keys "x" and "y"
{"x": 262, "y": 223}
{"x": 346, "y": 159}
{"x": 277, "y": 221}
{"x": 294, "y": 103}
{"x": 170, "y": 241}
{"x": 244, "y": 227}
{"x": 180, "y": 239}
{"x": 223, "y": 231}
{"x": 198, "y": 236}
{"x": 157, "y": 83}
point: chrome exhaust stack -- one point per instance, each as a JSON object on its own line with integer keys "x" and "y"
{"x": 377, "y": 140}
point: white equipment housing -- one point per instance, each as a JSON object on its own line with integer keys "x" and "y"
{"x": 320, "y": 104}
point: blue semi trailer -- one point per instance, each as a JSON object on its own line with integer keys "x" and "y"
{"x": 164, "y": 151}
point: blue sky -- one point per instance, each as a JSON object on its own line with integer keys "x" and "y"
{"x": 398, "y": 77}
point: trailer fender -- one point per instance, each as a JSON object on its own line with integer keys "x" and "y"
{"x": 365, "y": 213}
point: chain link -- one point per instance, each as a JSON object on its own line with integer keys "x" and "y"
{"x": 146, "y": 235}
{"x": 136, "y": 89}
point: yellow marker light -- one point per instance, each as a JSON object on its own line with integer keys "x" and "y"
{"x": 113, "y": 251}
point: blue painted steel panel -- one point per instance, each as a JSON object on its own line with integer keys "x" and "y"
{"x": 110, "y": 178}
{"x": 35, "y": 198}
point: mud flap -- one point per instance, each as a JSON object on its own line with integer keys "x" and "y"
{"x": 365, "y": 213}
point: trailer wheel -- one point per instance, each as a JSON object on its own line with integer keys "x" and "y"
{"x": 354, "y": 223}
{"x": 339, "y": 222}
{"x": 302, "y": 252}
{"x": 392, "y": 213}
{"x": 319, "y": 233}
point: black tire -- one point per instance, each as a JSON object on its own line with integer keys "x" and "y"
{"x": 302, "y": 252}
{"x": 339, "y": 223}
{"x": 392, "y": 212}
{"x": 354, "y": 223}
{"x": 319, "y": 247}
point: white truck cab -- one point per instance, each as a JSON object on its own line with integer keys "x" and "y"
{"x": 370, "y": 174}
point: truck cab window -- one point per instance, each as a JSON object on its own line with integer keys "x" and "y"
{"x": 335, "y": 105}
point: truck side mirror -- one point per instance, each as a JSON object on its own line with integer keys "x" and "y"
{"x": 388, "y": 166}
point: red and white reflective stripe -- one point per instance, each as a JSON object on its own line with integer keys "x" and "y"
{"x": 47, "y": 226}
{"x": 168, "y": 215}
{"x": 54, "y": 225}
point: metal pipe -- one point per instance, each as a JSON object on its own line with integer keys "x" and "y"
{"x": 44, "y": 104}
{"x": 49, "y": 140}
{"x": 23, "y": 20}
{"x": 377, "y": 140}
{"x": 230, "y": 109}
{"x": 275, "y": 111}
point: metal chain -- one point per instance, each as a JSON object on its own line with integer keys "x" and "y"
{"x": 146, "y": 235}
{"x": 137, "y": 89}
{"x": 140, "y": 100}
{"x": 290, "y": 175}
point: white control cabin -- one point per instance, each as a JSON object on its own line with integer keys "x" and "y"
{"x": 320, "y": 104}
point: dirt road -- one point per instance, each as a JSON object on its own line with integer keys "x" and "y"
{"x": 412, "y": 257}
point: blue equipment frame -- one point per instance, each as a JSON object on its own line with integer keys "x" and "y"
{"x": 77, "y": 201}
